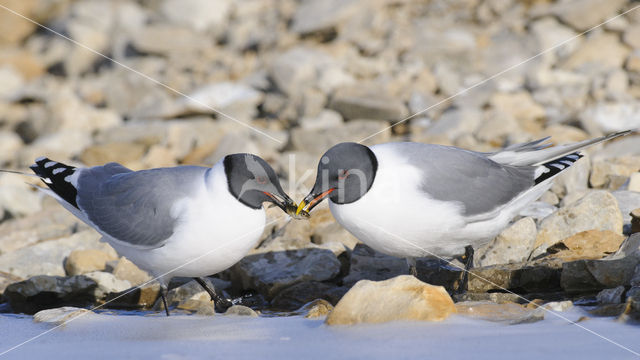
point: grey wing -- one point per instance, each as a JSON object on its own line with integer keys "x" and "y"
{"x": 135, "y": 207}
{"x": 480, "y": 184}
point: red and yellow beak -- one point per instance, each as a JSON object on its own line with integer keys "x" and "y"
{"x": 312, "y": 200}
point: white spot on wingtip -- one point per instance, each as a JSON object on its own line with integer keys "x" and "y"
{"x": 40, "y": 158}
{"x": 58, "y": 170}
{"x": 49, "y": 164}
{"x": 68, "y": 178}
{"x": 46, "y": 180}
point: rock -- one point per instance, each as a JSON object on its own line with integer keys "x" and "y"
{"x": 107, "y": 283}
{"x": 324, "y": 120}
{"x": 296, "y": 67}
{"x": 573, "y": 180}
{"x": 595, "y": 211}
{"x": 559, "y": 305}
{"x": 513, "y": 245}
{"x": 315, "y": 309}
{"x": 46, "y": 258}
{"x": 631, "y": 313}
{"x": 509, "y": 313}
{"x": 611, "y": 173}
{"x": 401, "y": 298}
{"x": 603, "y": 50}
{"x": 635, "y": 278}
{"x": 297, "y": 295}
{"x": 60, "y": 316}
{"x": 611, "y": 296}
{"x": 610, "y": 117}
{"x": 631, "y": 35}
{"x": 590, "y": 244}
{"x": 44, "y": 292}
{"x": 271, "y": 272}
{"x": 10, "y": 142}
{"x": 316, "y": 142}
{"x": 239, "y": 310}
{"x": 18, "y": 198}
{"x": 523, "y": 277}
{"x": 126, "y": 270}
{"x": 634, "y": 182}
{"x": 583, "y": 15}
{"x": 325, "y": 230}
{"x": 50, "y": 223}
{"x": 369, "y": 264}
{"x": 83, "y": 261}
{"x": 237, "y": 100}
{"x": 61, "y": 145}
{"x": 165, "y": 38}
{"x": 200, "y": 307}
{"x": 363, "y": 102}
{"x": 611, "y": 272}
{"x": 201, "y": 15}
{"x": 120, "y": 152}
{"x": 318, "y": 16}
{"x": 143, "y": 297}
{"x": 456, "y": 122}
{"x": 519, "y": 105}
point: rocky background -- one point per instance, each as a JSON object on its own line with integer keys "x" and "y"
{"x": 189, "y": 76}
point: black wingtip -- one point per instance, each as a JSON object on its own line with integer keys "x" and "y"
{"x": 56, "y": 176}
{"x": 554, "y": 167}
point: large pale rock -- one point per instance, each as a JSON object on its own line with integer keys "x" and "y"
{"x": 614, "y": 172}
{"x": 17, "y": 197}
{"x": 60, "y": 316}
{"x": 83, "y": 261}
{"x": 323, "y": 15}
{"x": 363, "y": 102}
{"x": 598, "y": 210}
{"x": 514, "y": 244}
{"x": 43, "y": 292}
{"x": 590, "y": 244}
{"x": 48, "y": 224}
{"x": 401, "y": 298}
{"x": 271, "y": 272}
{"x": 199, "y": 14}
{"x": 46, "y": 258}
{"x": 107, "y": 283}
{"x": 126, "y": 270}
{"x": 584, "y": 14}
{"x": 602, "y": 49}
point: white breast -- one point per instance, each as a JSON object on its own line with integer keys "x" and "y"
{"x": 397, "y": 218}
{"x": 214, "y": 231}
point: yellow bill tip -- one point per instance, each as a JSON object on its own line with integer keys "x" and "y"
{"x": 300, "y": 207}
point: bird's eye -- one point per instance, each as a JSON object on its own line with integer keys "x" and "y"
{"x": 343, "y": 174}
{"x": 261, "y": 180}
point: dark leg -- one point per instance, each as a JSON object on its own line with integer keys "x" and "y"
{"x": 220, "y": 302}
{"x": 411, "y": 262}
{"x": 468, "y": 264}
{"x": 163, "y": 293}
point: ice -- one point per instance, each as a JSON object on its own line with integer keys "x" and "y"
{"x": 234, "y": 337}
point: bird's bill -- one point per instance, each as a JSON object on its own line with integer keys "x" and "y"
{"x": 312, "y": 200}
{"x": 285, "y": 203}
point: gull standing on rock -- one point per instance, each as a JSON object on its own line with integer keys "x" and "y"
{"x": 182, "y": 221}
{"x": 411, "y": 200}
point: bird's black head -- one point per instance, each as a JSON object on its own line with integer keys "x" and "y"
{"x": 252, "y": 181}
{"x": 345, "y": 173}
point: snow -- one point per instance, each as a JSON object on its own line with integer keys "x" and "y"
{"x": 104, "y": 336}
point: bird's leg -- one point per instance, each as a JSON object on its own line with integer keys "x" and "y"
{"x": 163, "y": 293}
{"x": 411, "y": 262}
{"x": 468, "y": 263}
{"x": 219, "y": 302}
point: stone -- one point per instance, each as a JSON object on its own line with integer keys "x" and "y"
{"x": 107, "y": 283}
{"x": 523, "y": 277}
{"x": 61, "y": 145}
{"x": 126, "y": 270}
{"x": 326, "y": 231}
{"x": 635, "y": 278}
{"x": 631, "y": 312}
{"x": 61, "y": 316}
{"x": 494, "y": 297}
{"x": 401, "y": 298}
{"x": 368, "y": 264}
{"x": 513, "y": 245}
{"x": 83, "y": 261}
{"x": 167, "y": 38}
{"x": 595, "y": 211}
{"x": 44, "y": 292}
{"x": 602, "y": 50}
{"x": 10, "y": 142}
{"x": 297, "y": 295}
{"x": 631, "y": 36}
{"x": 611, "y": 296}
{"x": 237, "y": 100}
{"x": 50, "y": 223}
{"x": 201, "y": 15}
{"x": 240, "y": 310}
{"x": 318, "y": 16}
{"x": 296, "y": 67}
{"x": 574, "y": 179}
{"x": 317, "y": 141}
{"x": 363, "y": 102}
{"x": 200, "y": 307}
{"x": 608, "y": 173}
{"x": 456, "y": 122}
{"x": 271, "y": 272}
{"x": 634, "y": 182}
{"x": 519, "y": 105}
{"x": 46, "y": 258}
{"x": 143, "y": 297}
{"x": 315, "y": 309}
{"x": 18, "y": 198}
{"x": 559, "y": 306}
{"x": 590, "y": 244}
{"x": 120, "y": 152}
{"x": 509, "y": 313}
{"x": 582, "y": 15}
{"x": 610, "y": 117}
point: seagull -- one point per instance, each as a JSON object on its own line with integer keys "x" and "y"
{"x": 186, "y": 221}
{"x": 411, "y": 200}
